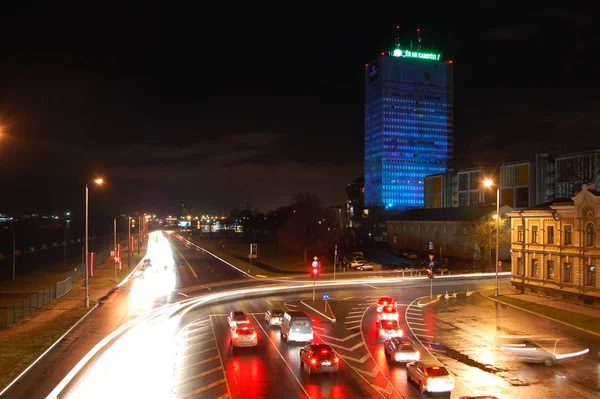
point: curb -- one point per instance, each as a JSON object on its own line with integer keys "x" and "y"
{"x": 321, "y": 313}
{"x": 48, "y": 350}
{"x": 537, "y": 314}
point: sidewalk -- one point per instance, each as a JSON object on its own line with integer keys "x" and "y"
{"x": 580, "y": 316}
{"x": 28, "y": 338}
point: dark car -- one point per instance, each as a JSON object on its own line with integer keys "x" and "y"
{"x": 319, "y": 358}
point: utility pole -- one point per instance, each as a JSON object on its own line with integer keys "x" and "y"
{"x": 129, "y": 242}
{"x": 139, "y": 229}
{"x": 334, "y": 260}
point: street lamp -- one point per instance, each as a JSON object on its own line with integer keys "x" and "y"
{"x": 97, "y": 182}
{"x": 488, "y": 183}
{"x": 115, "y": 240}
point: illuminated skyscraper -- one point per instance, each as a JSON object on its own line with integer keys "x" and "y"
{"x": 408, "y": 125}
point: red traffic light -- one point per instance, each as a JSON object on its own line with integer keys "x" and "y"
{"x": 315, "y": 273}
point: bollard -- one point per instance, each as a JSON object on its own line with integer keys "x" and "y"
{"x": 446, "y": 296}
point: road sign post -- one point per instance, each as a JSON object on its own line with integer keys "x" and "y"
{"x": 315, "y": 272}
{"x": 334, "y": 261}
{"x": 431, "y": 276}
{"x": 325, "y": 298}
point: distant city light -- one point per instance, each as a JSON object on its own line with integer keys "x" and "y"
{"x": 415, "y": 54}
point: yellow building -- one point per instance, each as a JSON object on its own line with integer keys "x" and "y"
{"x": 555, "y": 248}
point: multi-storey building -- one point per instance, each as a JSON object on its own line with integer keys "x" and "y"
{"x": 470, "y": 188}
{"x": 556, "y": 249}
{"x": 574, "y": 169}
{"x": 355, "y": 202}
{"x": 409, "y": 98}
{"x": 440, "y": 190}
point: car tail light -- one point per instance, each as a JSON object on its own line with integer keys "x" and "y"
{"x": 324, "y": 351}
{"x": 313, "y": 361}
{"x": 337, "y": 359}
{"x": 389, "y": 308}
{"x": 401, "y": 333}
{"x": 254, "y": 335}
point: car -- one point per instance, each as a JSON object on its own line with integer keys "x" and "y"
{"x": 429, "y": 378}
{"x": 319, "y": 358}
{"x": 296, "y": 327}
{"x": 242, "y": 336}
{"x": 532, "y": 352}
{"x": 236, "y": 317}
{"x": 384, "y": 301}
{"x": 361, "y": 264}
{"x": 358, "y": 254}
{"x": 388, "y": 329}
{"x": 389, "y": 312}
{"x": 274, "y": 317}
{"x": 400, "y": 350}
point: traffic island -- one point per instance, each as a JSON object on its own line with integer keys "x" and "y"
{"x": 321, "y": 307}
{"x": 424, "y": 301}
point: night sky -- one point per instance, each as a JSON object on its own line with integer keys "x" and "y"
{"x": 203, "y": 106}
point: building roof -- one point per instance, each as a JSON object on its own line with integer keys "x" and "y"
{"x": 445, "y": 214}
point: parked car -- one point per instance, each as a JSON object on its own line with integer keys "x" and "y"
{"x": 360, "y": 264}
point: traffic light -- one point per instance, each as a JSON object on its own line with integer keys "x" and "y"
{"x": 315, "y": 272}
{"x": 315, "y": 268}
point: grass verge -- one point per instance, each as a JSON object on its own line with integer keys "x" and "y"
{"x": 18, "y": 348}
{"x": 585, "y": 322}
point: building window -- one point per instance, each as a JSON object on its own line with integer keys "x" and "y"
{"x": 590, "y": 235}
{"x": 550, "y": 235}
{"x": 568, "y": 273}
{"x": 520, "y": 234}
{"x": 568, "y": 235}
{"x": 534, "y": 234}
{"x": 590, "y": 275}
{"x": 535, "y": 268}
{"x": 521, "y": 266}
{"x": 463, "y": 181}
{"x": 550, "y": 270}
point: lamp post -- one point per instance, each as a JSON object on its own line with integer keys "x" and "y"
{"x": 67, "y": 220}
{"x": 489, "y": 183}
{"x": 115, "y": 241}
{"x": 129, "y": 242}
{"x": 87, "y": 277}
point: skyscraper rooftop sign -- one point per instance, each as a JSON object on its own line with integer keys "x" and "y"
{"x": 415, "y": 54}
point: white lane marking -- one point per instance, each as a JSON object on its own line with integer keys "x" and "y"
{"x": 347, "y": 298}
{"x": 416, "y": 322}
{"x": 197, "y": 322}
{"x": 389, "y": 388}
{"x": 361, "y": 360}
{"x": 355, "y": 312}
{"x": 220, "y": 359}
{"x": 353, "y": 328}
{"x": 370, "y": 286}
{"x": 186, "y": 262}
{"x": 341, "y": 339}
{"x": 282, "y": 358}
{"x": 424, "y": 335}
{"x": 352, "y": 317}
{"x": 414, "y": 317}
{"x": 420, "y": 329}
{"x": 198, "y": 353}
{"x": 371, "y": 373}
{"x": 195, "y": 330}
{"x": 201, "y": 342}
{"x": 196, "y": 336}
{"x": 352, "y": 322}
{"x": 199, "y": 363}
{"x": 318, "y": 328}
{"x": 205, "y": 388}
{"x": 351, "y": 349}
{"x": 195, "y": 377}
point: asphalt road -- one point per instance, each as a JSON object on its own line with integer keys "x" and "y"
{"x": 469, "y": 332}
{"x": 182, "y": 351}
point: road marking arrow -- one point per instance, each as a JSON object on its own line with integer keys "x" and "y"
{"x": 371, "y": 373}
{"x": 341, "y": 339}
{"x": 388, "y": 389}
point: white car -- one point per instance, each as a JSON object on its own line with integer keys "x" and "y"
{"x": 243, "y": 336}
{"x": 274, "y": 317}
{"x": 429, "y": 378}
{"x": 389, "y": 312}
{"x": 360, "y": 264}
{"x": 387, "y": 329}
{"x": 236, "y": 317}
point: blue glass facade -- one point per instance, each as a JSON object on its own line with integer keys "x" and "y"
{"x": 408, "y": 128}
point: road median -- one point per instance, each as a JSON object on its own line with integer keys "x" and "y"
{"x": 320, "y": 307}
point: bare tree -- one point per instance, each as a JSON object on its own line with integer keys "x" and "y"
{"x": 482, "y": 233}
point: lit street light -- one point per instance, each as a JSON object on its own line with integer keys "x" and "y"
{"x": 87, "y": 277}
{"x": 488, "y": 183}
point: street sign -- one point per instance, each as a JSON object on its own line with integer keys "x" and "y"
{"x": 430, "y": 245}
{"x": 315, "y": 263}
{"x": 112, "y": 253}
{"x": 253, "y": 251}
{"x": 431, "y": 257}
{"x": 325, "y": 296}
{"x": 431, "y": 265}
